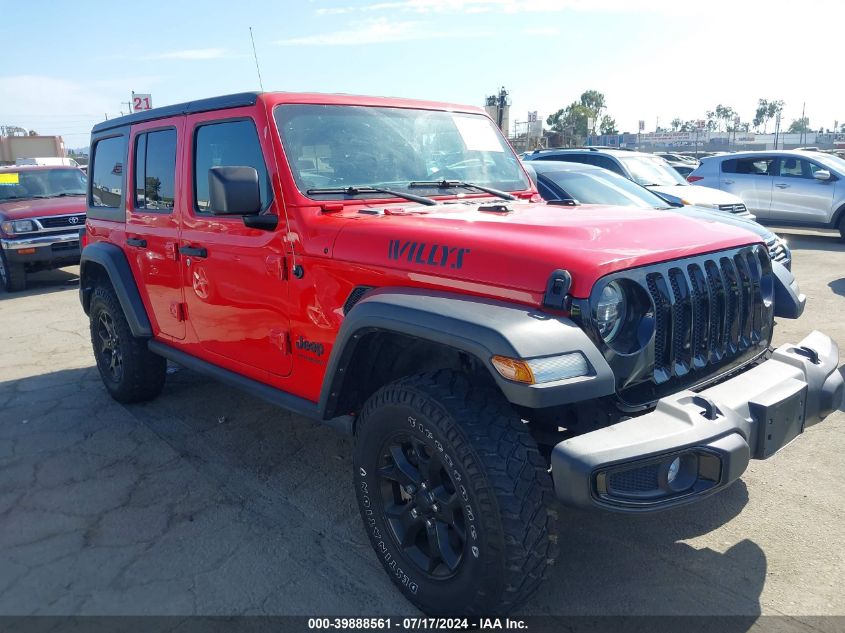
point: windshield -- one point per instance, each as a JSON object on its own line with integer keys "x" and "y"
{"x": 652, "y": 170}
{"x": 832, "y": 161}
{"x": 41, "y": 183}
{"x": 331, "y": 146}
{"x": 595, "y": 186}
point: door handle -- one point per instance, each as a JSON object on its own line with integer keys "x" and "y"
{"x": 782, "y": 185}
{"x": 728, "y": 182}
{"x": 136, "y": 242}
{"x": 193, "y": 251}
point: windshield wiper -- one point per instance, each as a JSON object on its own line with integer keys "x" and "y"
{"x": 354, "y": 191}
{"x": 447, "y": 184}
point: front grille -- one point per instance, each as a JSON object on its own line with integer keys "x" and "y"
{"x": 708, "y": 310}
{"x": 733, "y": 208}
{"x": 642, "y": 479}
{"x": 62, "y": 221}
{"x": 777, "y": 251}
{"x": 64, "y": 246}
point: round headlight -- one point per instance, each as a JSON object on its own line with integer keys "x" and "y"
{"x": 610, "y": 311}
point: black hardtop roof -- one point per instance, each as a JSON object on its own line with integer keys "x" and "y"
{"x": 237, "y": 100}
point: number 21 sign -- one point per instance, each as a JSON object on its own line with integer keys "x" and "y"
{"x": 141, "y": 102}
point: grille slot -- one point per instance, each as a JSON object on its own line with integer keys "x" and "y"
{"x": 733, "y": 208}
{"x": 62, "y": 221}
{"x": 642, "y": 479}
{"x": 707, "y": 311}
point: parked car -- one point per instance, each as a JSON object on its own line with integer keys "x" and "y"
{"x": 649, "y": 171}
{"x": 684, "y": 169}
{"x": 783, "y": 188}
{"x": 487, "y": 350}
{"x": 676, "y": 158}
{"x": 41, "y": 212}
{"x": 586, "y": 184}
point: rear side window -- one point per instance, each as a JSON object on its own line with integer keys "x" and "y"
{"x": 227, "y": 144}
{"x": 107, "y": 174}
{"x": 607, "y": 163}
{"x": 761, "y": 166}
{"x": 155, "y": 170}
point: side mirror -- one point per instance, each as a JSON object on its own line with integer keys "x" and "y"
{"x": 822, "y": 174}
{"x": 234, "y": 191}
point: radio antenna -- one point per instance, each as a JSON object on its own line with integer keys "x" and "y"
{"x": 255, "y": 55}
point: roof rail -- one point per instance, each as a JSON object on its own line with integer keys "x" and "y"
{"x": 189, "y": 107}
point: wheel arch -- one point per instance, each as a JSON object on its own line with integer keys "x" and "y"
{"x": 104, "y": 262}
{"x": 438, "y": 330}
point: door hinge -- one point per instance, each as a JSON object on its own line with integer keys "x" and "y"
{"x": 281, "y": 339}
{"x": 171, "y": 251}
{"x": 177, "y": 310}
{"x": 276, "y": 266}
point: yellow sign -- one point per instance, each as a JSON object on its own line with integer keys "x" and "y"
{"x": 11, "y": 178}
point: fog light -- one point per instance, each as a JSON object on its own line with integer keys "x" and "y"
{"x": 674, "y": 468}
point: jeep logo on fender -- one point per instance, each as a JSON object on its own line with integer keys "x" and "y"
{"x": 439, "y": 255}
{"x": 309, "y": 346}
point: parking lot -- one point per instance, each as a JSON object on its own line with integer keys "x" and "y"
{"x": 208, "y": 501}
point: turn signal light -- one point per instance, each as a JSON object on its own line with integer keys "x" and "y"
{"x": 26, "y": 251}
{"x": 512, "y": 369}
{"x": 694, "y": 178}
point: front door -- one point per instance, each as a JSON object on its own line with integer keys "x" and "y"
{"x": 234, "y": 276}
{"x": 751, "y": 180}
{"x": 152, "y": 228}
{"x": 797, "y": 196}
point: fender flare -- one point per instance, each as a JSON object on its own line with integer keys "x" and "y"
{"x": 480, "y": 327}
{"x": 113, "y": 260}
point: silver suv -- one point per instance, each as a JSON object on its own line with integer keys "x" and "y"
{"x": 786, "y": 188}
{"x": 650, "y": 171}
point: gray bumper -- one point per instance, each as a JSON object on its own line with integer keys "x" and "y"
{"x": 694, "y": 444}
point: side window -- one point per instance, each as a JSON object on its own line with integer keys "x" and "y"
{"x": 155, "y": 170}
{"x": 230, "y": 144}
{"x": 107, "y": 174}
{"x": 607, "y": 163}
{"x": 761, "y": 166}
{"x": 795, "y": 168}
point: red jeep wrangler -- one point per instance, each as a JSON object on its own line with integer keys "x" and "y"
{"x": 385, "y": 267}
{"x": 41, "y": 212}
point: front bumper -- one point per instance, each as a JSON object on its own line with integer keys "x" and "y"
{"x": 58, "y": 248}
{"x": 694, "y": 444}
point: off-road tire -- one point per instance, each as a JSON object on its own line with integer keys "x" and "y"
{"x": 12, "y": 275}
{"x": 142, "y": 373}
{"x": 507, "y": 486}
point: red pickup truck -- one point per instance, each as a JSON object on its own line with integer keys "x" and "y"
{"x": 41, "y": 212}
{"x": 386, "y": 267}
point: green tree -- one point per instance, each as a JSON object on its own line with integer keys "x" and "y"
{"x": 726, "y": 114}
{"x": 608, "y": 125}
{"x": 677, "y": 124}
{"x": 712, "y": 121}
{"x": 570, "y": 123}
{"x": 842, "y": 128}
{"x": 593, "y": 101}
{"x": 799, "y": 126}
{"x": 766, "y": 111}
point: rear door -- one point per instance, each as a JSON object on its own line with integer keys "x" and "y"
{"x": 152, "y": 228}
{"x": 235, "y": 277}
{"x": 797, "y": 196}
{"x": 750, "y": 178}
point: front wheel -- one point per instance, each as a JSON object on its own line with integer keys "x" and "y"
{"x": 454, "y": 495}
{"x": 12, "y": 275}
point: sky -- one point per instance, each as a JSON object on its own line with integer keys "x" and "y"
{"x": 66, "y": 65}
